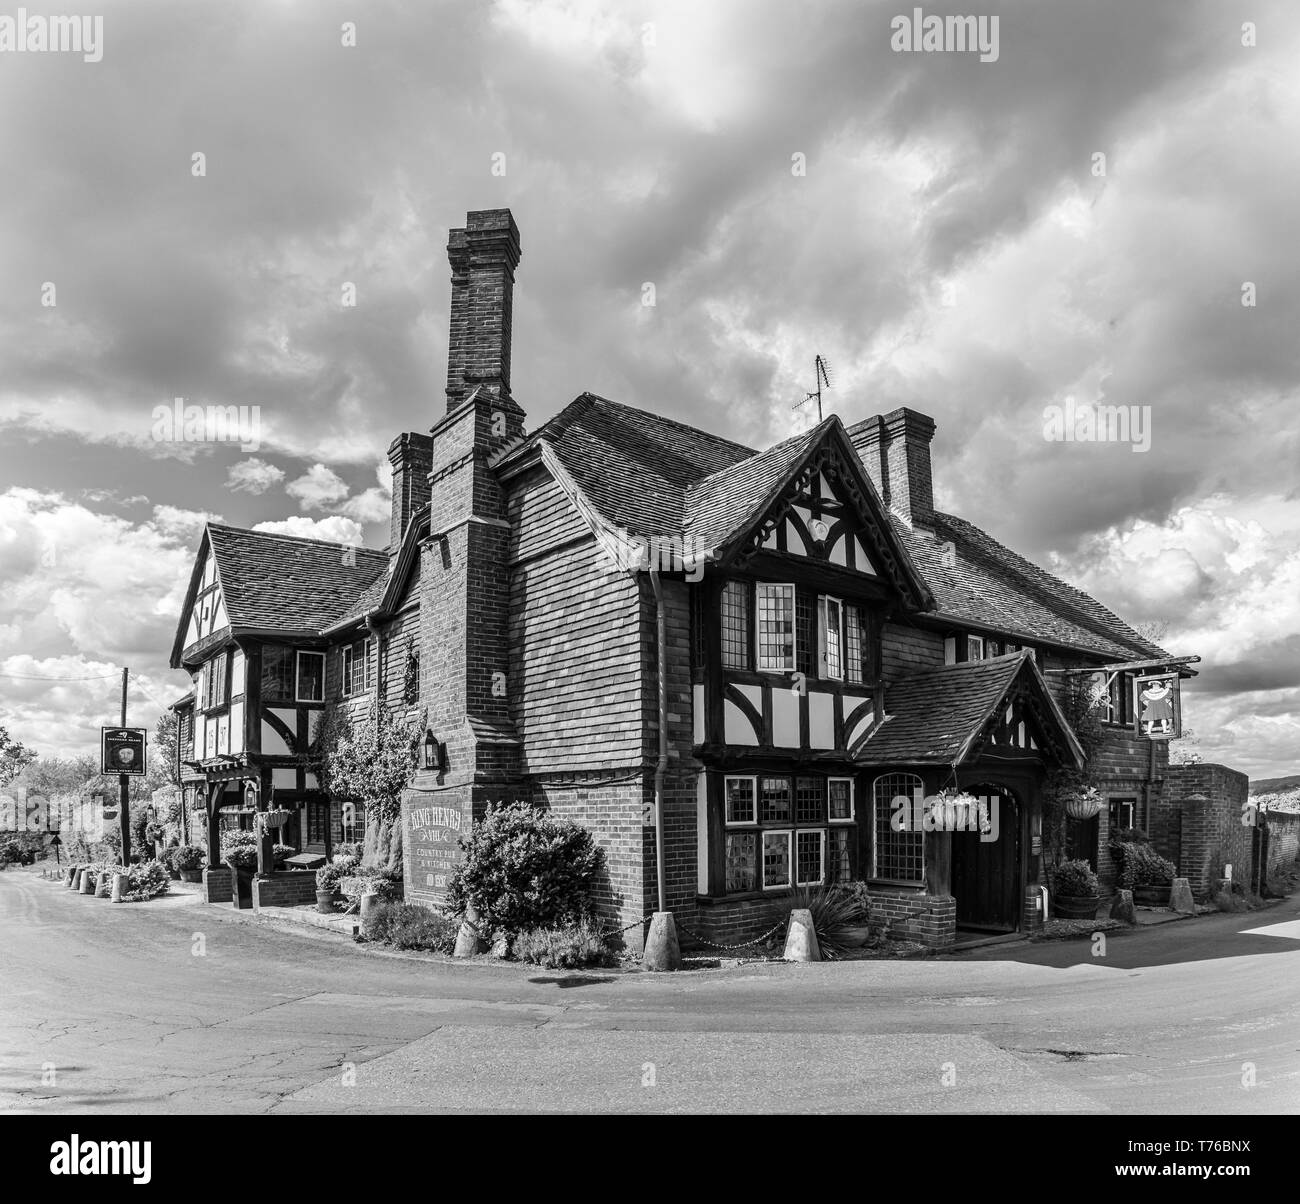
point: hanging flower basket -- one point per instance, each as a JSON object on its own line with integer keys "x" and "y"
{"x": 1083, "y": 804}
{"x": 276, "y": 817}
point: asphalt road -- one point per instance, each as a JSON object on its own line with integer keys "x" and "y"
{"x": 175, "y": 1006}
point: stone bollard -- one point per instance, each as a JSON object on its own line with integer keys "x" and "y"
{"x": 801, "y": 938}
{"x": 119, "y": 888}
{"x": 1180, "y": 897}
{"x": 87, "y": 882}
{"x": 662, "y": 951}
{"x": 70, "y": 876}
{"x": 1122, "y": 908}
{"x": 468, "y": 939}
{"x": 103, "y": 888}
{"x": 369, "y": 901}
{"x": 76, "y": 880}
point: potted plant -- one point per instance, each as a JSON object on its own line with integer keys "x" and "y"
{"x": 1076, "y": 888}
{"x": 1153, "y": 878}
{"x": 275, "y": 817}
{"x": 189, "y": 859}
{"x": 1083, "y": 802}
{"x": 328, "y": 878}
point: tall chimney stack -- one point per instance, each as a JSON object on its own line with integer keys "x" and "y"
{"x": 895, "y": 450}
{"x": 483, "y": 255}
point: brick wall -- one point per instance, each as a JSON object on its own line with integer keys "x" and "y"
{"x": 216, "y": 884}
{"x": 1211, "y": 830}
{"x": 1283, "y": 839}
{"x": 284, "y": 888}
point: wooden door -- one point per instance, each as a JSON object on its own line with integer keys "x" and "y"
{"x": 986, "y": 873}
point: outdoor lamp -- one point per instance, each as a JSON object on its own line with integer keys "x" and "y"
{"x": 434, "y": 752}
{"x": 250, "y": 796}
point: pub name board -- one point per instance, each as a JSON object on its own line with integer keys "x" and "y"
{"x": 430, "y": 844}
{"x": 123, "y": 750}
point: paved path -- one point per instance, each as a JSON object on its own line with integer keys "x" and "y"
{"x": 173, "y": 1005}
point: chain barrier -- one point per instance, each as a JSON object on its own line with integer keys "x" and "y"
{"x": 758, "y": 940}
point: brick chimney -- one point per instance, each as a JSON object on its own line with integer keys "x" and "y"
{"x": 483, "y": 254}
{"x": 411, "y": 456}
{"x": 467, "y": 678}
{"x": 895, "y": 449}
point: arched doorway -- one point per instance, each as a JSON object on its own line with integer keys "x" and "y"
{"x": 986, "y": 866}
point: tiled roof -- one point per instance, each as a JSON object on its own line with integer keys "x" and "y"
{"x": 988, "y": 585}
{"x": 934, "y": 717}
{"x": 651, "y": 475}
{"x": 634, "y": 467}
{"x": 722, "y": 502}
{"x": 286, "y": 583}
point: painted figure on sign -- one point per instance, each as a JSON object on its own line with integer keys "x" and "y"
{"x": 1158, "y": 706}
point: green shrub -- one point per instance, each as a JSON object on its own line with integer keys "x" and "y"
{"x": 239, "y": 849}
{"x": 834, "y": 909}
{"x": 1075, "y": 880}
{"x": 524, "y": 868}
{"x": 563, "y": 947}
{"x": 145, "y": 881}
{"x": 1140, "y": 865}
{"x": 329, "y": 876}
{"x": 411, "y": 926}
{"x": 387, "y": 884}
{"x": 189, "y": 857}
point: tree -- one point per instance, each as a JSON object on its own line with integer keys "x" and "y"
{"x": 371, "y": 762}
{"x": 14, "y": 757}
{"x": 162, "y": 759}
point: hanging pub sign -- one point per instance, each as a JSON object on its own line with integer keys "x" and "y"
{"x": 1157, "y": 707}
{"x": 123, "y": 750}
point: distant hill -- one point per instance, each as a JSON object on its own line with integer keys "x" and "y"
{"x": 1274, "y": 785}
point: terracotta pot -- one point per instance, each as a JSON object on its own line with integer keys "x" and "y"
{"x": 191, "y": 875}
{"x": 325, "y": 900}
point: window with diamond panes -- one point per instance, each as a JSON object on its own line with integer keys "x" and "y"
{"x": 776, "y": 860}
{"x": 774, "y": 800}
{"x": 899, "y": 856}
{"x": 810, "y": 800}
{"x": 742, "y": 861}
{"x": 741, "y": 805}
{"x": 776, "y": 641}
{"x": 735, "y": 625}
{"x": 839, "y": 855}
{"x": 809, "y": 848}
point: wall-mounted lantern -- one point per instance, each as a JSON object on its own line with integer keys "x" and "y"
{"x": 435, "y": 753}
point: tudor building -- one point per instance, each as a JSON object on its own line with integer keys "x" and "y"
{"x": 802, "y": 651}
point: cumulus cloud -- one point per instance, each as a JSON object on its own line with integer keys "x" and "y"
{"x": 253, "y": 476}
{"x": 317, "y": 488}
{"x": 369, "y": 506}
{"x": 334, "y": 529}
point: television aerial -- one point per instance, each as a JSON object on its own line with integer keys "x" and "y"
{"x": 821, "y": 378}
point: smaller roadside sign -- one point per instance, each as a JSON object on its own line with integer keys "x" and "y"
{"x": 124, "y": 750}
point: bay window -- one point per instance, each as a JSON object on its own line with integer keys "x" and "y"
{"x": 781, "y": 831}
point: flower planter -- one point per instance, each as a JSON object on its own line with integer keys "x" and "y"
{"x": 325, "y": 900}
{"x": 1152, "y": 894}
{"x": 191, "y": 875}
{"x": 853, "y": 937}
{"x": 241, "y": 887}
{"x": 1077, "y": 907}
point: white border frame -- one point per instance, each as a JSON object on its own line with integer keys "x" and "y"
{"x": 793, "y": 666}
{"x": 853, "y": 802}
{"x": 299, "y": 653}
{"x": 788, "y": 833}
{"x": 752, "y": 779}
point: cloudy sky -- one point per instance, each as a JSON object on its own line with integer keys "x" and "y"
{"x": 1077, "y": 221}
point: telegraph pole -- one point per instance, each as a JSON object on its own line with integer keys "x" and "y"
{"x": 124, "y": 784}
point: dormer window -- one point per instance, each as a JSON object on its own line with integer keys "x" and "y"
{"x": 975, "y": 648}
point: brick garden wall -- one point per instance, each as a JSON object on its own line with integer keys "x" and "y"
{"x": 284, "y": 888}
{"x": 1212, "y": 831}
{"x": 216, "y": 884}
{"x": 1283, "y": 839}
